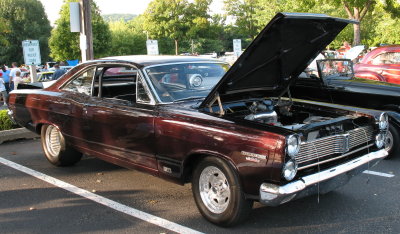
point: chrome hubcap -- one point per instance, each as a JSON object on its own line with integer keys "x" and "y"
{"x": 389, "y": 141}
{"x": 214, "y": 189}
{"x": 52, "y": 140}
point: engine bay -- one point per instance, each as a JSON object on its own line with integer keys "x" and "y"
{"x": 311, "y": 121}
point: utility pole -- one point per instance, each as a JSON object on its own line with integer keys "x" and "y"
{"x": 86, "y": 37}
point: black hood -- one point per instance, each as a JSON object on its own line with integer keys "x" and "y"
{"x": 282, "y": 50}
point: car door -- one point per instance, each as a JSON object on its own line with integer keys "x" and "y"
{"x": 69, "y": 108}
{"x": 122, "y": 127}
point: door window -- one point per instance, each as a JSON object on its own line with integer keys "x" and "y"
{"x": 82, "y": 83}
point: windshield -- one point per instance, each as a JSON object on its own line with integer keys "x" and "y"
{"x": 174, "y": 82}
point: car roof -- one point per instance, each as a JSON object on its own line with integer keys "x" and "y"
{"x": 148, "y": 60}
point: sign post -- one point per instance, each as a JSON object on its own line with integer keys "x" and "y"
{"x": 32, "y": 57}
{"x": 237, "y": 47}
{"x": 152, "y": 47}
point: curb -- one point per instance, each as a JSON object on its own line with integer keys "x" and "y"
{"x": 18, "y": 133}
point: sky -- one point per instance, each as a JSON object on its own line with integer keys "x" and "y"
{"x": 52, "y": 7}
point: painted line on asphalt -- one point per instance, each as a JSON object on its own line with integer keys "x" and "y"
{"x": 378, "y": 173}
{"x": 102, "y": 200}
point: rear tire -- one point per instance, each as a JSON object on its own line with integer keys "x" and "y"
{"x": 55, "y": 148}
{"x": 218, "y": 193}
{"x": 392, "y": 144}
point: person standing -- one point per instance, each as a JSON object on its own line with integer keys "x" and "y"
{"x": 17, "y": 79}
{"x": 13, "y": 72}
{"x": 58, "y": 72}
{"x": 3, "y": 91}
{"x": 6, "y": 77}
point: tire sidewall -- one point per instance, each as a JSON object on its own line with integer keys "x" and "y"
{"x": 231, "y": 212}
{"x": 55, "y": 160}
{"x": 395, "y": 150}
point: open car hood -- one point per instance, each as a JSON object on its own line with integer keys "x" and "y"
{"x": 282, "y": 50}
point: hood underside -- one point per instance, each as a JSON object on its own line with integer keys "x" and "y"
{"x": 282, "y": 50}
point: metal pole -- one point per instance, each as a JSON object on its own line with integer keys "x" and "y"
{"x": 86, "y": 31}
{"x": 32, "y": 69}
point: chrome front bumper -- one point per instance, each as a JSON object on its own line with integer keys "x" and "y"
{"x": 328, "y": 180}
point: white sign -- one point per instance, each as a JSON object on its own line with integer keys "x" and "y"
{"x": 152, "y": 47}
{"x": 31, "y": 52}
{"x": 237, "y": 47}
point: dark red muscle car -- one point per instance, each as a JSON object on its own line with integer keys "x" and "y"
{"x": 381, "y": 64}
{"x": 231, "y": 133}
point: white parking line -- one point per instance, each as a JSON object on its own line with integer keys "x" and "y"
{"x": 102, "y": 200}
{"x": 378, "y": 173}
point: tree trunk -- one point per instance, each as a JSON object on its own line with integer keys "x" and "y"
{"x": 357, "y": 35}
{"x": 356, "y": 27}
{"x": 176, "y": 47}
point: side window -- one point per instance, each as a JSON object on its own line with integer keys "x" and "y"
{"x": 387, "y": 58}
{"x": 82, "y": 83}
{"x": 118, "y": 82}
{"x": 142, "y": 94}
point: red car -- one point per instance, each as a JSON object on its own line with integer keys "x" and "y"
{"x": 381, "y": 64}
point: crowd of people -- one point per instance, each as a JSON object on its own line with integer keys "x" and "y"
{"x": 10, "y": 77}
{"x": 9, "y": 80}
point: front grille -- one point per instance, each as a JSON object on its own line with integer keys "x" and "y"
{"x": 323, "y": 149}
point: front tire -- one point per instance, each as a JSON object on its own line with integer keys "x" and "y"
{"x": 392, "y": 144}
{"x": 218, "y": 193}
{"x": 55, "y": 148}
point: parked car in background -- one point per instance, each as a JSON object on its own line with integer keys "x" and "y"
{"x": 231, "y": 133}
{"x": 336, "y": 83}
{"x": 382, "y": 64}
{"x": 45, "y": 76}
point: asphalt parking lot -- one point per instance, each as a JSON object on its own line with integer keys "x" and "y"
{"x": 370, "y": 203}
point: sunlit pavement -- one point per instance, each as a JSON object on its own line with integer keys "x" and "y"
{"x": 368, "y": 204}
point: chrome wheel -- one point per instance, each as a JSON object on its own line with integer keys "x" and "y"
{"x": 53, "y": 141}
{"x": 389, "y": 141}
{"x": 214, "y": 189}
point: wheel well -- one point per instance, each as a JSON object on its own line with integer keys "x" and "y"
{"x": 38, "y": 128}
{"x": 189, "y": 165}
{"x": 192, "y": 160}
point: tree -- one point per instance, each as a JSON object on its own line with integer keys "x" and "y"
{"x": 64, "y": 45}
{"x": 4, "y": 29}
{"x": 167, "y": 18}
{"x": 358, "y": 9}
{"x": 127, "y": 37}
{"x": 244, "y": 12}
{"x": 23, "y": 20}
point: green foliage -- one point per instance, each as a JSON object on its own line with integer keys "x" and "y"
{"x": 22, "y": 20}
{"x": 118, "y": 17}
{"x": 167, "y": 18}
{"x": 64, "y": 45}
{"x": 4, "y": 29}
{"x": 127, "y": 38}
{"x": 5, "y": 122}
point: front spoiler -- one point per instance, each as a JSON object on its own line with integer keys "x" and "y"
{"x": 321, "y": 182}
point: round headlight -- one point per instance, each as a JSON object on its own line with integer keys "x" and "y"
{"x": 383, "y": 121}
{"x": 380, "y": 140}
{"x": 293, "y": 145}
{"x": 290, "y": 170}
